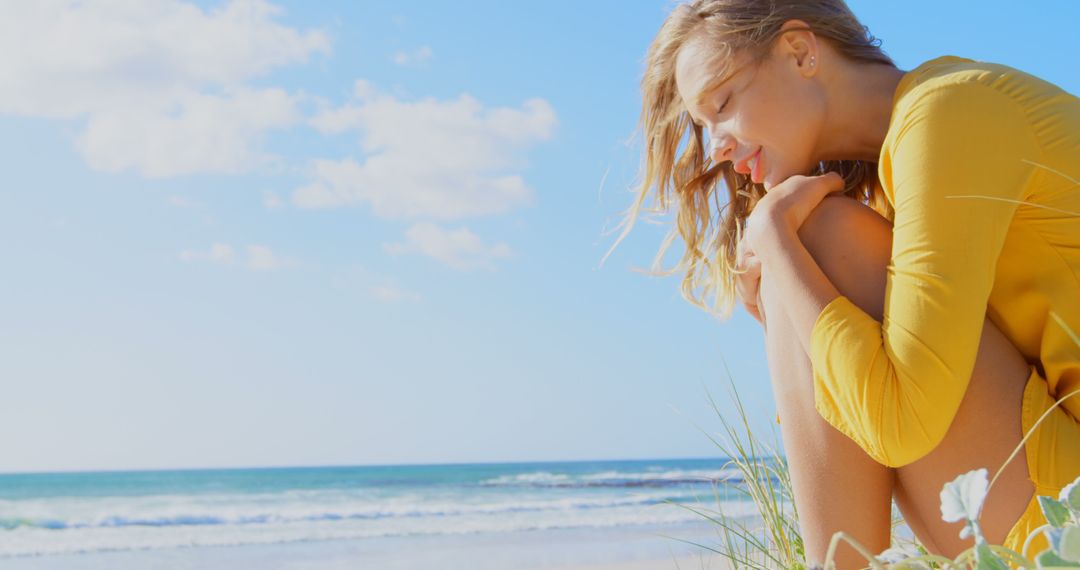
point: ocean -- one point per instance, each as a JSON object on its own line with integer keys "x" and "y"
{"x": 79, "y": 514}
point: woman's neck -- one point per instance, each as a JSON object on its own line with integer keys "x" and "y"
{"x": 859, "y": 105}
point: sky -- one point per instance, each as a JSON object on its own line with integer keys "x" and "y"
{"x": 255, "y": 233}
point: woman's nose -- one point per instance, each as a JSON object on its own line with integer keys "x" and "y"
{"x": 720, "y": 148}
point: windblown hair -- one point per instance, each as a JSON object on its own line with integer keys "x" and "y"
{"x": 712, "y": 235}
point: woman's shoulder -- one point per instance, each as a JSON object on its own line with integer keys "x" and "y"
{"x": 950, "y": 70}
{"x": 951, "y": 84}
{"x": 973, "y": 105}
{"x": 958, "y": 122}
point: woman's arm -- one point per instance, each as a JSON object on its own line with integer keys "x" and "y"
{"x": 894, "y": 385}
{"x": 805, "y": 287}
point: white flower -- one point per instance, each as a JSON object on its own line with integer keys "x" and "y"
{"x": 962, "y": 499}
{"x": 897, "y": 554}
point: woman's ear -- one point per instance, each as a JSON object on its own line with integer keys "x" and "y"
{"x": 797, "y": 41}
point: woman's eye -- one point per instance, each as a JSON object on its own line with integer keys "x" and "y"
{"x": 721, "y": 110}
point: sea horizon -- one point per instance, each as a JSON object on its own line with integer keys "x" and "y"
{"x": 348, "y": 465}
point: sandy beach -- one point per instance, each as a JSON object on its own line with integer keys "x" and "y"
{"x": 703, "y": 562}
{"x": 706, "y": 561}
{"x": 641, "y": 548}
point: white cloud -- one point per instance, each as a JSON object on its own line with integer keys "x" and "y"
{"x": 393, "y": 294}
{"x": 183, "y": 202}
{"x": 219, "y": 253}
{"x": 262, "y": 258}
{"x": 428, "y": 159}
{"x": 271, "y": 200}
{"x": 460, "y": 249}
{"x": 259, "y": 258}
{"x": 160, "y": 82}
{"x": 363, "y": 89}
{"x": 417, "y": 56}
{"x": 375, "y": 285}
{"x": 208, "y": 133}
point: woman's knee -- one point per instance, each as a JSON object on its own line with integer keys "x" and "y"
{"x": 852, "y": 244}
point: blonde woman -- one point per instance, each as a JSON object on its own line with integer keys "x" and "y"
{"x": 909, "y": 242}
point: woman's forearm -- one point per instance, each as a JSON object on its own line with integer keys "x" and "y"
{"x": 795, "y": 276}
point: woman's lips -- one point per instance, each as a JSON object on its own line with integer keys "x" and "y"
{"x": 757, "y": 171}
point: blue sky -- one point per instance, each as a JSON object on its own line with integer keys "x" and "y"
{"x": 296, "y": 233}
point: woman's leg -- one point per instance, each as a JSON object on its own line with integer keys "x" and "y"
{"x": 837, "y": 486}
{"x": 983, "y": 434}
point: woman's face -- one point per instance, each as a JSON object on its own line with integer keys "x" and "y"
{"x": 765, "y": 118}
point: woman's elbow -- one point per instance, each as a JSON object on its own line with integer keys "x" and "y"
{"x": 903, "y": 443}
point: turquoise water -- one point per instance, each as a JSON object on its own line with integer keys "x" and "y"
{"x": 65, "y": 513}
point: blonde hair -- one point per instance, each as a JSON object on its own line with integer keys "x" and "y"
{"x": 728, "y": 26}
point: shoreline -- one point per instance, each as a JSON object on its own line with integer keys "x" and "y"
{"x": 620, "y": 548}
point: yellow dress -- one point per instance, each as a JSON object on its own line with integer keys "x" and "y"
{"x": 967, "y": 141}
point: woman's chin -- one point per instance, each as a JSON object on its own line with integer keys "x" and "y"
{"x": 772, "y": 177}
{"x": 768, "y": 178}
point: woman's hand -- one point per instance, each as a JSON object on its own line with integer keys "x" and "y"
{"x": 748, "y": 278}
{"x": 785, "y": 207}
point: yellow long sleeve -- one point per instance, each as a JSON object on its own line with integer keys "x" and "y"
{"x": 894, "y": 386}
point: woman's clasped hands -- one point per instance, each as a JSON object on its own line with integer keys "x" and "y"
{"x": 784, "y": 208}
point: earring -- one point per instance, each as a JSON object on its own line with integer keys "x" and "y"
{"x": 811, "y": 61}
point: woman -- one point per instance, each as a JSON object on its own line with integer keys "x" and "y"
{"x": 909, "y": 341}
